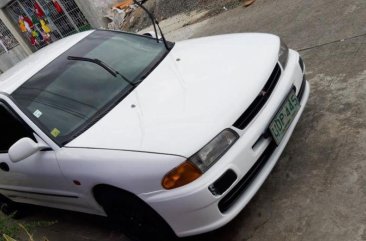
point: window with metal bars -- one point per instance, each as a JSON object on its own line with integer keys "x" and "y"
{"x": 7, "y": 40}
{"x": 62, "y": 17}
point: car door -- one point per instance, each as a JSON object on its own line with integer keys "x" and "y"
{"x": 37, "y": 179}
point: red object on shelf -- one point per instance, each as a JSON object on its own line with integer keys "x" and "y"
{"x": 57, "y": 6}
{"x": 33, "y": 41}
{"x": 29, "y": 21}
{"x": 38, "y": 10}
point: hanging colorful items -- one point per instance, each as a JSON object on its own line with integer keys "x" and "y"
{"x": 27, "y": 26}
{"x": 37, "y": 35}
{"x": 46, "y": 37}
{"x": 38, "y": 10}
{"x": 40, "y": 36}
{"x": 22, "y": 27}
{"x": 57, "y": 6}
{"x": 29, "y": 22}
{"x": 35, "y": 20}
{"x": 33, "y": 41}
{"x": 45, "y": 27}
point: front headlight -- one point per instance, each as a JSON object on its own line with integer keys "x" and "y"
{"x": 216, "y": 148}
{"x": 283, "y": 54}
{"x": 200, "y": 162}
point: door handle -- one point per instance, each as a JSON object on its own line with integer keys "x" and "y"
{"x": 4, "y": 167}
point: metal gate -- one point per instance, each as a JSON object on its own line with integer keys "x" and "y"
{"x": 7, "y": 40}
{"x": 58, "y": 19}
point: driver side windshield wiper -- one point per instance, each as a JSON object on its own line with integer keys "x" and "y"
{"x": 103, "y": 65}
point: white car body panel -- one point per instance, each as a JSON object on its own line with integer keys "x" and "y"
{"x": 185, "y": 100}
{"x": 199, "y": 89}
{"x": 198, "y": 208}
{"x": 114, "y": 169}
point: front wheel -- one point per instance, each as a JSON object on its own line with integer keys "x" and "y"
{"x": 10, "y": 208}
{"x": 138, "y": 221}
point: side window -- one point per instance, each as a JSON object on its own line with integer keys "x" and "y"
{"x": 11, "y": 129}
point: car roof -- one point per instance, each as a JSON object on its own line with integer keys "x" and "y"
{"x": 21, "y": 72}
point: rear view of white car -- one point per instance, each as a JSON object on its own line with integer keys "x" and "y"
{"x": 168, "y": 139}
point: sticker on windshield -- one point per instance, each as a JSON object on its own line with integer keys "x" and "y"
{"x": 55, "y": 132}
{"x": 37, "y": 113}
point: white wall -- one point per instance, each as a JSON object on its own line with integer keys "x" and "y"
{"x": 95, "y": 10}
{"x": 3, "y": 3}
{"x": 15, "y": 55}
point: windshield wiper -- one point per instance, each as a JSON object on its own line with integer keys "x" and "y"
{"x": 103, "y": 65}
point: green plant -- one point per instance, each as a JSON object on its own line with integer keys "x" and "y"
{"x": 8, "y": 227}
{"x": 10, "y": 230}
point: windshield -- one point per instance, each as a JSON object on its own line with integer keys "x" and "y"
{"x": 67, "y": 95}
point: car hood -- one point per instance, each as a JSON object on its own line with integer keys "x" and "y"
{"x": 199, "y": 89}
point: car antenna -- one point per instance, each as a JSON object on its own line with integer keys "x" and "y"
{"x": 155, "y": 23}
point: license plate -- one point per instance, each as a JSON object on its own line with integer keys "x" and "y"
{"x": 284, "y": 117}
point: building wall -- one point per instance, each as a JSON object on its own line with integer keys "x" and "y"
{"x": 16, "y": 52}
{"x": 15, "y": 55}
{"x": 3, "y": 3}
{"x": 95, "y": 10}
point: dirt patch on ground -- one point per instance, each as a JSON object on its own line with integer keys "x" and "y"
{"x": 163, "y": 9}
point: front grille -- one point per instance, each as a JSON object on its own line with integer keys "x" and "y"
{"x": 260, "y": 101}
{"x": 228, "y": 201}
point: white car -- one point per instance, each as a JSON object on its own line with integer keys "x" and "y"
{"x": 167, "y": 140}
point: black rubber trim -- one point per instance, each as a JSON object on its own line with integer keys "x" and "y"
{"x": 229, "y": 200}
{"x": 260, "y": 100}
{"x": 300, "y": 95}
{"x": 301, "y": 63}
{"x": 39, "y": 193}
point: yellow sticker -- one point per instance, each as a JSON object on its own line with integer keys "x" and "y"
{"x": 55, "y": 132}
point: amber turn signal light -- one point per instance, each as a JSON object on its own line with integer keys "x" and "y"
{"x": 182, "y": 175}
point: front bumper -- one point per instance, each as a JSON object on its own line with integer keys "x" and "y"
{"x": 194, "y": 209}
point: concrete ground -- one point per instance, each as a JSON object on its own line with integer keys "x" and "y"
{"x": 317, "y": 191}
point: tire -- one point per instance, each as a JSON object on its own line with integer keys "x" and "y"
{"x": 10, "y": 208}
{"x": 138, "y": 221}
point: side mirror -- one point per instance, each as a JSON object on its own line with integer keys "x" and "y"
{"x": 24, "y": 148}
